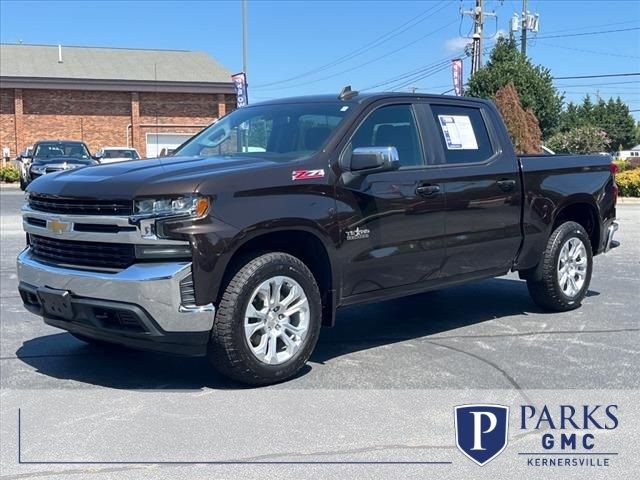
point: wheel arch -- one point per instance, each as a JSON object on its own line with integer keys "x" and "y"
{"x": 311, "y": 245}
{"x": 583, "y": 210}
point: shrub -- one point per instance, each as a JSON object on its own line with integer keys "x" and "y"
{"x": 585, "y": 139}
{"x": 522, "y": 124}
{"x": 9, "y": 174}
{"x": 623, "y": 165}
{"x": 629, "y": 183}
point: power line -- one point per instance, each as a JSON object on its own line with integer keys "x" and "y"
{"x": 367, "y": 62}
{"x": 584, "y": 50}
{"x": 585, "y": 27}
{"x": 629, "y": 74}
{"x": 421, "y": 77}
{"x": 601, "y": 32}
{"x": 417, "y": 71}
{"x": 596, "y": 84}
{"x": 375, "y": 43}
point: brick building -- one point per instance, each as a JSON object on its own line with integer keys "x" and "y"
{"x": 147, "y": 99}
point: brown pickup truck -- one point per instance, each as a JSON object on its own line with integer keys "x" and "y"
{"x": 244, "y": 243}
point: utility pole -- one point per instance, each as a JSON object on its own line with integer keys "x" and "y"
{"x": 529, "y": 22}
{"x": 244, "y": 36}
{"x": 523, "y": 35}
{"x": 478, "y": 15}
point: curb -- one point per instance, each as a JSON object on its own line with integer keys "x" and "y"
{"x": 10, "y": 186}
{"x": 628, "y": 201}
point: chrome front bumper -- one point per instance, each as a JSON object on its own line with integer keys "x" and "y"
{"x": 154, "y": 287}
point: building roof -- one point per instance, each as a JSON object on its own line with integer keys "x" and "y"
{"x": 19, "y": 61}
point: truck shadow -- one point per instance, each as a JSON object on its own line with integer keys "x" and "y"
{"x": 357, "y": 328}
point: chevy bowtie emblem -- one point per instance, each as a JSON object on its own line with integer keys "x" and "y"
{"x": 56, "y": 226}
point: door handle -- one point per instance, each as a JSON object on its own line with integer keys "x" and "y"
{"x": 506, "y": 185}
{"x": 427, "y": 190}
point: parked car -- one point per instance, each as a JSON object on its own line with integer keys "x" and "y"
{"x": 22, "y": 163}
{"x": 242, "y": 255}
{"x": 116, "y": 154}
{"x": 50, "y": 156}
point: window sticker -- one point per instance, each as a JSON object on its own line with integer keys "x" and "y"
{"x": 458, "y": 132}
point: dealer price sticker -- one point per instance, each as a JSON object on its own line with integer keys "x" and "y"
{"x": 458, "y": 132}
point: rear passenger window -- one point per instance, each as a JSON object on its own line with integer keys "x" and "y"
{"x": 463, "y": 134}
{"x": 392, "y": 126}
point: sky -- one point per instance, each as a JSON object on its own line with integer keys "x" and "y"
{"x": 308, "y": 47}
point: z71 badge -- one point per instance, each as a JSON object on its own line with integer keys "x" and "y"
{"x": 307, "y": 174}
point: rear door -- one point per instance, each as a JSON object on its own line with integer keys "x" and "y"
{"x": 392, "y": 233}
{"x": 482, "y": 188}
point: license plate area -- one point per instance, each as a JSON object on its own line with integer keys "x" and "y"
{"x": 56, "y": 302}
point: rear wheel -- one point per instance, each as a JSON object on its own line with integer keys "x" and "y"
{"x": 566, "y": 268}
{"x": 267, "y": 322}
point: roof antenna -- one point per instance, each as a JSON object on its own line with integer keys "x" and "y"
{"x": 347, "y": 93}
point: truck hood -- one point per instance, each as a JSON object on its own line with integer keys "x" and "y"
{"x": 156, "y": 176}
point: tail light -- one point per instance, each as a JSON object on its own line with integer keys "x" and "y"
{"x": 614, "y": 170}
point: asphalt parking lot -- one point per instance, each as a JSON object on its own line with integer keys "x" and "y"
{"x": 484, "y": 336}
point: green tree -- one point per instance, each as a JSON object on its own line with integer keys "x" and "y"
{"x": 612, "y": 117}
{"x": 570, "y": 117}
{"x": 534, "y": 83}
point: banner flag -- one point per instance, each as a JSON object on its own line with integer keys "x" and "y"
{"x": 456, "y": 66}
{"x": 240, "y": 83}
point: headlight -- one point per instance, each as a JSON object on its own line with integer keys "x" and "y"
{"x": 38, "y": 169}
{"x": 187, "y": 205}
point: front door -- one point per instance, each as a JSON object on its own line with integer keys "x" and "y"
{"x": 391, "y": 222}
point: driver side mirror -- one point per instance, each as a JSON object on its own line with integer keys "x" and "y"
{"x": 374, "y": 159}
{"x": 98, "y": 155}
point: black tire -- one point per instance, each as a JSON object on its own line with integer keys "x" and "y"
{"x": 547, "y": 292}
{"x": 23, "y": 184}
{"x": 229, "y": 351}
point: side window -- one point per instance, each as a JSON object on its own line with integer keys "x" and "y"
{"x": 463, "y": 134}
{"x": 391, "y": 126}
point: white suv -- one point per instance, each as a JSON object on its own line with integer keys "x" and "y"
{"x": 117, "y": 154}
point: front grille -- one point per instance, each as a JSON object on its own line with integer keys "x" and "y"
{"x": 80, "y": 206}
{"x": 187, "y": 293}
{"x": 37, "y": 222}
{"x": 83, "y": 254}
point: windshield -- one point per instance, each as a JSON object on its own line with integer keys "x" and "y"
{"x": 280, "y": 132}
{"x": 121, "y": 153}
{"x": 46, "y": 150}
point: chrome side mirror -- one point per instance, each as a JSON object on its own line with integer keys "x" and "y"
{"x": 374, "y": 159}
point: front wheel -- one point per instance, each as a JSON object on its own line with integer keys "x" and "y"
{"x": 267, "y": 322}
{"x": 566, "y": 267}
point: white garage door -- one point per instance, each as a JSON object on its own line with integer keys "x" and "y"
{"x": 157, "y": 141}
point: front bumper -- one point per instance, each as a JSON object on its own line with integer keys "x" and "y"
{"x": 139, "y": 306}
